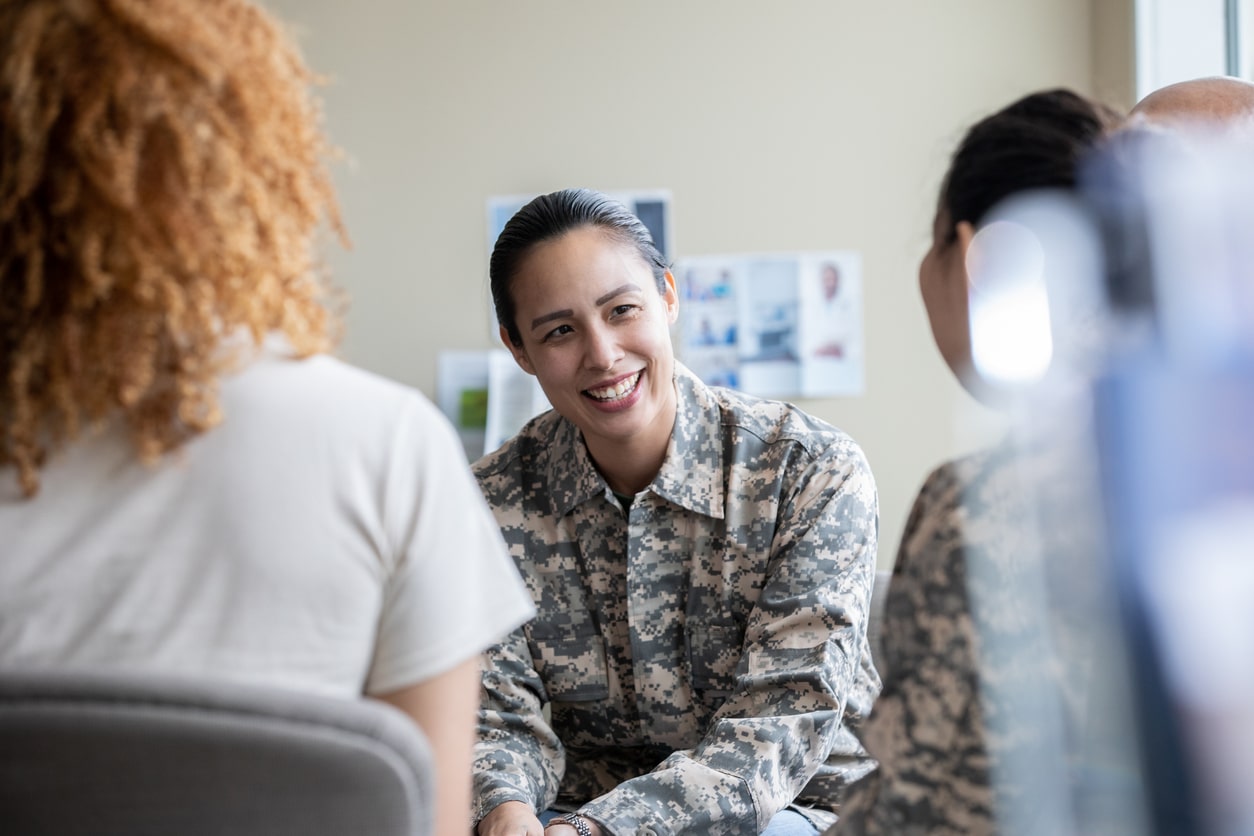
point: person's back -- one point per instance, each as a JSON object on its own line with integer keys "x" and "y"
{"x": 276, "y": 548}
{"x": 187, "y": 483}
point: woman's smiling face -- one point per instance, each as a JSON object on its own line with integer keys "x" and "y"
{"x": 596, "y": 333}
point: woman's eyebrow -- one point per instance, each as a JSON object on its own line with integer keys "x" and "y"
{"x": 618, "y": 291}
{"x": 549, "y": 317}
{"x": 601, "y": 300}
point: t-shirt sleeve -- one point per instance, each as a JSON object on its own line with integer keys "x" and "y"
{"x": 452, "y": 589}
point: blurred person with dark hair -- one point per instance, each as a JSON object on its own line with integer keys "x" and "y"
{"x": 190, "y": 484}
{"x": 940, "y": 751}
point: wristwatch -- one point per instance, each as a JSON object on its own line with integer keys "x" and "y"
{"x": 576, "y": 821}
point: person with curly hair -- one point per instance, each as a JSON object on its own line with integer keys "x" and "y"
{"x": 188, "y": 482}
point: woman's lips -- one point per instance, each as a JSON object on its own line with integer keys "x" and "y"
{"x": 616, "y": 391}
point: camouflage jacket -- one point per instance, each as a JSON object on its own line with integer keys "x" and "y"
{"x": 703, "y": 654}
{"x": 994, "y": 632}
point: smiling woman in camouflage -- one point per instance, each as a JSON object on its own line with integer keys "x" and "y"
{"x": 701, "y": 562}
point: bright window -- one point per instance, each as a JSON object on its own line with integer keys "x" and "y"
{"x": 1182, "y": 39}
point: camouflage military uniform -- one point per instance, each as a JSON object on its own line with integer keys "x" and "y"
{"x": 992, "y": 630}
{"x": 703, "y": 653}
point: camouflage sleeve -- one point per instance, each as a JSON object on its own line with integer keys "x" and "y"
{"x": 797, "y": 668}
{"x": 931, "y": 773}
{"x": 517, "y": 755}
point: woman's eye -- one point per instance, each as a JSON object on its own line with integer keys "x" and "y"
{"x": 620, "y": 310}
{"x": 559, "y": 331}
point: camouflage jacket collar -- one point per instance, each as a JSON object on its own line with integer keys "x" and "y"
{"x": 691, "y": 474}
{"x": 572, "y": 477}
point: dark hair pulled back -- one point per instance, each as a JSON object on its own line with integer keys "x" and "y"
{"x": 1036, "y": 142}
{"x": 550, "y": 216}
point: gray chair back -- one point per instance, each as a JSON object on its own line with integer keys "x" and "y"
{"x": 106, "y": 754}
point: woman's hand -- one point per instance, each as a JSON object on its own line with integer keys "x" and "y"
{"x": 513, "y": 818}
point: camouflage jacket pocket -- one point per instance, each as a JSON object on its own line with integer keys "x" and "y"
{"x": 714, "y": 649}
{"x": 572, "y": 666}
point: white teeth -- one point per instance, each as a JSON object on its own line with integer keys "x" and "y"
{"x": 618, "y": 390}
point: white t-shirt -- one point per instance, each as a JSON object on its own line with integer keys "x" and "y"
{"x": 327, "y": 537}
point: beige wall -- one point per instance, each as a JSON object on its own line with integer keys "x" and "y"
{"x": 1114, "y": 52}
{"x": 802, "y": 124}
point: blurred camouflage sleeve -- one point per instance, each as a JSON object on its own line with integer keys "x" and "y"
{"x": 985, "y": 675}
{"x": 798, "y": 669}
{"x": 916, "y": 731}
{"x": 517, "y": 755}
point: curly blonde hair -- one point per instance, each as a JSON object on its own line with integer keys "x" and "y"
{"x": 162, "y": 179}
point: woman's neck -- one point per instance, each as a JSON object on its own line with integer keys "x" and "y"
{"x": 628, "y": 466}
{"x": 627, "y": 472}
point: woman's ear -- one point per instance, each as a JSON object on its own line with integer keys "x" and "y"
{"x": 671, "y": 297}
{"x": 520, "y": 354}
{"x": 964, "y": 234}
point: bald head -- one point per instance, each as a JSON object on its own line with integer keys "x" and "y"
{"x": 1216, "y": 102}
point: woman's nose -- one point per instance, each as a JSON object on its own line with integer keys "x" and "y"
{"x": 602, "y": 350}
